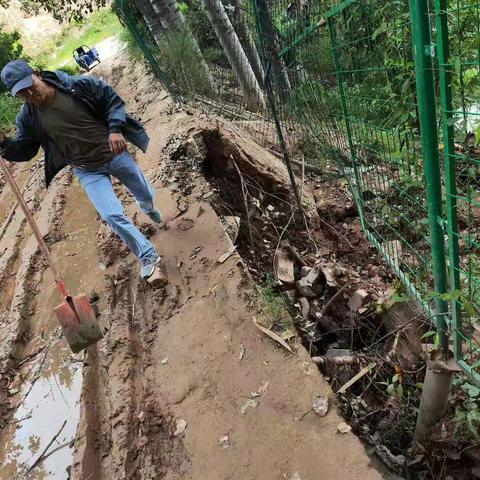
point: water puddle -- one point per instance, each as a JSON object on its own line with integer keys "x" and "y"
{"x": 53, "y": 399}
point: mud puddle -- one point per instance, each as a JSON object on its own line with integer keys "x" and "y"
{"x": 49, "y": 403}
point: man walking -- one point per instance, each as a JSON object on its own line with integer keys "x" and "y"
{"x": 81, "y": 121}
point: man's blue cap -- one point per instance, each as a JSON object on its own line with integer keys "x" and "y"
{"x": 17, "y": 75}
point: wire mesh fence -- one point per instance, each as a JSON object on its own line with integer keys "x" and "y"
{"x": 357, "y": 84}
{"x": 457, "y": 27}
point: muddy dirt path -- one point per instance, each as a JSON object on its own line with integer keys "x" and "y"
{"x": 183, "y": 386}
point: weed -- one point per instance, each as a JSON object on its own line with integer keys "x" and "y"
{"x": 274, "y": 304}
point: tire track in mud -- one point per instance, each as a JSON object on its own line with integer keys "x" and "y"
{"x": 21, "y": 271}
{"x": 17, "y": 277}
{"x": 123, "y": 431}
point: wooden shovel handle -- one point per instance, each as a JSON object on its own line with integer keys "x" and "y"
{"x": 41, "y": 242}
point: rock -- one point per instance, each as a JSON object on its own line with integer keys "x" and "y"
{"x": 320, "y": 405}
{"x": 284, "y": 268}
{"x": 304, "y": 287}
{"x": 310, "y": 286}
{"x": 180, "y": 427}
{"x": 304, "y": 271}
{"x": 344, "y": 428}
{"x": 231, "y": 225}
{"x": 357, "y": 300}
{"x": 224, "y": 442}
{"x": 304, "y": 307}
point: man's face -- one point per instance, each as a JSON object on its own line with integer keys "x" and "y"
{"x": 38, "y": 94}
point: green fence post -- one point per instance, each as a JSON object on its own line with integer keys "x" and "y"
{"x": 439, "y": 373}
{"x": 423, "y": 53}
{"x": 445, "y": 78}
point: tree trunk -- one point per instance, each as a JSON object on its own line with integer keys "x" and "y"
{"x": 248, "y": 43}
{"x": 152, "y": 21}
{"x": 235, "y": 54}
{"x": 168, "y": 9}
{"x": 272, "y": 50}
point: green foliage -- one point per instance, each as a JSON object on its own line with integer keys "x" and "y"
{"x": 395, "y": 387}
{"x": 8, "y": 111}
{"x": 179, "y": 59}
{"x": 467, "y": 412}
{"x": 71, "y": 69}
{"x": 200, "y": 25}
{"x": 216, "y": 56}
{"x": 10, "y": 49}
{"x": 131, "y": 45}
{"x": 272, "y": 302}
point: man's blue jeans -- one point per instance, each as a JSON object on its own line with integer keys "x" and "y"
{"x": 98, "y": 186}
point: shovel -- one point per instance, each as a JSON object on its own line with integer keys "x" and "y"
{"x": 75, "y": 314}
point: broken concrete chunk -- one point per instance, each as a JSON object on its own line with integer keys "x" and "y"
{"x": 284, "y": 268}
{"x": 357, "y": 300}
{"x": 309, "y": 286}
{"x": 304, "y": 288}
{"x": 304, "y": 307}
{"x": 231, "y": 224}
{"x": 330, "y": 277}
{"x": 304, "y": 271}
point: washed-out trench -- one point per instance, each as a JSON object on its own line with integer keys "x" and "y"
{"x": 184, "y": 385}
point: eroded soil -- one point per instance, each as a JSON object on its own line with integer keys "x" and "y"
{"x": 183, "y": 386}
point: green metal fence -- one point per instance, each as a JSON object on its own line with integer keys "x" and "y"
{"x": 388, "y": 91}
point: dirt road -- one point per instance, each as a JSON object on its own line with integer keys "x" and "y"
{"x": 183, "y": 386}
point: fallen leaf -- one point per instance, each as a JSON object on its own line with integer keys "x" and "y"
{"x": 344, "y": 428}
{"x": 272, "y": 335}
{"x": 164, "y": 361}
{"x": 320, "y": 405}
{"x": 180, "y": 427}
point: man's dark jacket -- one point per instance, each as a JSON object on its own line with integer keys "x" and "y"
{"x": 104, "y": 103}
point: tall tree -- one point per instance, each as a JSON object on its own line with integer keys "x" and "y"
{"x": 152, "y": 20}
{"x": 272, "y": 49}
{"x": 236, "y": 56}
{"x": 247, "y": 41}
{"x": 168, "y": 9}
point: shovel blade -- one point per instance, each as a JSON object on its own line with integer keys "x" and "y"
{"x": 79, "y": 324}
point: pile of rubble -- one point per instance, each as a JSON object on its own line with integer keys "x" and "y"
{"x": 326, "y": 293}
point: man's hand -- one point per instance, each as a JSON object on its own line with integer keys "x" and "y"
{"x": 117, "y": 143}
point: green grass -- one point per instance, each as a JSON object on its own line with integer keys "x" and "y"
{"x": 274, "y": 305}
{"x": 97, "y": 27}
{"x": 8, "y": 111}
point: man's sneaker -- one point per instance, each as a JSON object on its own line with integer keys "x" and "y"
{"x": 155, "y": 216}
{"x": 148, "y": 264}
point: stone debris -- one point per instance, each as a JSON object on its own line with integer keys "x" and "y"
{"x": 358, "y": 299}
{"x": 284, "y": 268}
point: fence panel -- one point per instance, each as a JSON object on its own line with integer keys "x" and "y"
{"x": 355, "y": 85}
{"x": 458, "y": 33}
